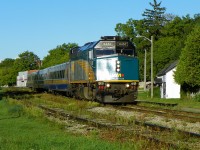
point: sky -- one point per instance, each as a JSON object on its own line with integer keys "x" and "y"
{"x": 41, "y": 25}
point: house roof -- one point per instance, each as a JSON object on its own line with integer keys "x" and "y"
{"x": 167, "y": 69}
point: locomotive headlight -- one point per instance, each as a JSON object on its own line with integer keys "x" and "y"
{"x": 118, "y": 62}
{"x": 117, "y": 69}
{"x": 108, "y": 85}
{"x": 127, "y": 85}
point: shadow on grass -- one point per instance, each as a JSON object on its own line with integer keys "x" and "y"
{"x": 10, "y": 117}
{"x": 18, "y": 95}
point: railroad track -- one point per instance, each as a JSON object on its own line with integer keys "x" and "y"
{"x": 157, "y": 103}
{"x": 136, "y": 130}
{"x": 183, "y": 115}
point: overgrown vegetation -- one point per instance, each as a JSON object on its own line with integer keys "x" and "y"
{"x": 32, "y": 126}
{"x": 188, "y": 69}
{"x": 197, "y": 97}
{"x": 32, "y": 131}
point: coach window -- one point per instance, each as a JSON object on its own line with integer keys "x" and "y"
{"x": 63, "y": 73}
{"x": 58, "y": 74}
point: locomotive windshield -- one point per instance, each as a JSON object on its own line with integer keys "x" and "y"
{"x": 114, "y": 47}
{"x": 103, "y": 52}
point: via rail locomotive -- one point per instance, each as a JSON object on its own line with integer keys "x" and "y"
{"x": 106, "y": 71}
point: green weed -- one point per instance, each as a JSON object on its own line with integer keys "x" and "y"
{"x": 34, "y": 133}
{"x": 197, "y": 97}
{"x": 15, "y": 110}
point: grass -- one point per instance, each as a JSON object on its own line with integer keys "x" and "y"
{"x": 26, "y": 131}
{"x": 182, "y": 103}
{"x": 23, "y": 126}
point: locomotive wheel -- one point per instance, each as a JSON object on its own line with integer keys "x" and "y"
{"x": 88, "y": 93}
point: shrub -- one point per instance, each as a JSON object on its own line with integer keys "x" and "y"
{"x": 197, "y": 97}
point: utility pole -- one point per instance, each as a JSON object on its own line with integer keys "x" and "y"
{"x": 150, "y": 40}
{"x": 145, "y": 66}
{"x": 152, "y": 67}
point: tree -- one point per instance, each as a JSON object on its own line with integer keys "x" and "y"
{"x": 25, "y": 61}
{"x": 179, "y": 27}
{"x": 197, "y": 19}
{"x": 126, "y": 30}
{"x": 154, "y": 19}
{"x": 188, "y": 68}
{"x": 166, "y": 51}
{"x": 58, "y": 55}
{"x": 6, "y": 67}
{"x": 152, "y": 24}
{"x": 168, "y": 47}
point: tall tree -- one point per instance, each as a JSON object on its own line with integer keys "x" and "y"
{"x": 188, "y": 68}
{"x": 27, "y": 61}
{"x": 179, "y": 27}
{"x": 58, "y": 55}
{"x": 126, "y": 30}
{"x": 168, "y": 47}
{"x": 6, "y": 67}
{"x": 154, "y": 19}
{"x": 153, "y": 22}
{"x": 166, "y": 51}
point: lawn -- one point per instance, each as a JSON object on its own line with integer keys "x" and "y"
{"x": 182, "y": 103}
{"x": 19, "y": 130}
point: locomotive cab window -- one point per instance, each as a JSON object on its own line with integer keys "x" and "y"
{"x": 91, "y": 54}
{"x": 125, "y": 51}
{"x": 109, "y": 47}
{"x": 102, "y": 52}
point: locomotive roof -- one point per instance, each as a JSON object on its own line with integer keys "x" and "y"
{"x": 91, "y": 45}
{"x": 167, "y": 69}
{"x": 88, "y": 45}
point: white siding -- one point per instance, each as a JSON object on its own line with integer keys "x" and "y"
{"x": 22, "y": 79}
{"x": 172, "y": 88}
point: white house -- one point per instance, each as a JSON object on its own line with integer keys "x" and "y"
{"x": 22, "y": 78}
{"x": 168, "y": 87}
